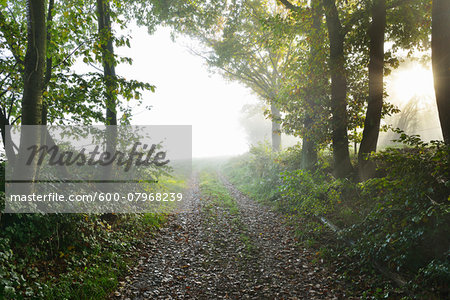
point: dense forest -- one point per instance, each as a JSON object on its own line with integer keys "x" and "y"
{"x": 336, "y": 216}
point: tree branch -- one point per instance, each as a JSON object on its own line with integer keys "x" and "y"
{"x": 290, "y": 6}
{"x": 48, "y": 67}
{"x": 11, "y": 105}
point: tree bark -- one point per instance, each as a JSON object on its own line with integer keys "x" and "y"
{"x": 440, "y": 56}
{"x": 7, "y": 141}
{"x": 46, "y": 138}
{"x": 309, "y": 154}
{"x": 34, "y": 63}
{"x": 375, "y": 101}
{"x": 341, "y": 156}
{"x": 109, "y": 73}
{"x": 33, "y": 82}
{"x": 309, "y": 151}
{"x": 276, "y": 128}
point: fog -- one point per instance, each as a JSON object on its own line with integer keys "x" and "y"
{"x": 258, "y": 129}
{"x": 187, "y": 93}
{"x": 410, "y": 88}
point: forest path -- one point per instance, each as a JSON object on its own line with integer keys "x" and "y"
{"x": 245, "y": 251}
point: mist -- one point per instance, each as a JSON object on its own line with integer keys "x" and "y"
{"x": 410, "y": 88}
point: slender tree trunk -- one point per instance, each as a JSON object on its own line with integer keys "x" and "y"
{"x": 46, "y": 138}
{"x": 34, "y": 63}
{"x": 49, "y": 60}
{"x": 276, "y": 128}
{"x": 375, "y": 103}
{"x": 7, "y": 142}
{"x": 109, "y": 72}
{"x": 33, "y": 81}
{"x": 440, "y": 56}
{"x": 341, "y": 156}
{"x": 309, "y": 151}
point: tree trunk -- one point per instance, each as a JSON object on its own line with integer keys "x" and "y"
{"x": 440, "y": 56}
{"x": 375, "y": 102}
{"x": 34, "y": 63}
{"x": 106, "y": 40}
{"x": 109, "y": 72}
{"x": 341, "y": 156}
{"x": 46, "y": 138}
{"x": 33, "y": 82}
{"x": 276, "y": 128}
{"x": 7, "y": 141}
{"x": 309, "y": 152}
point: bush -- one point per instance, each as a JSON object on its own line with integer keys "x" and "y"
{"x": 309, "y": 193}
{"x": 257, "y": 173}
{"x": 407, "y": 227}
{"x": 399, "y": 219}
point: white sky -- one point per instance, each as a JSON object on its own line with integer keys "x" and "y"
{"x": 186, "y": 93}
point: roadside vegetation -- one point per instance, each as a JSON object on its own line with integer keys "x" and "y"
{"x": 393, "y": 226}
{"x": 73, "y": 256}
{"x": 69, "y": 256}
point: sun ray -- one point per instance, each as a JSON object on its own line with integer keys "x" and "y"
{"x": 411, "y": 81}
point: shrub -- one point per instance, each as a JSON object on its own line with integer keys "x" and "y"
{"x": 399, "y": 219}
{"x": 407, "y": 226}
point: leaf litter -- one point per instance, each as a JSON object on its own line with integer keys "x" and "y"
{"x": 206, "y": 252}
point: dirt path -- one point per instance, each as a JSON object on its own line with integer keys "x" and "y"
{"x": 209, "y": 252}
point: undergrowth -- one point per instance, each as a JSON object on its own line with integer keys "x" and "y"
{"x": 70, "y": 256}
{"x": 398, "y": 219}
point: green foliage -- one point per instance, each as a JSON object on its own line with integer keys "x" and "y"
{"x": 407, "y": 226}
{"x": 67, "y": 256}
{"x": 399, "y": 219}
{"x": 257, "y": 173}
{"x": 310, "y": 194}
{"x": 69, "y": 97}
{"x": 82, "y": 96}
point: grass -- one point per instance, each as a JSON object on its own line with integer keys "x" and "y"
{"x": 218, "y": 195}
{"x": 212, "y": 188}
